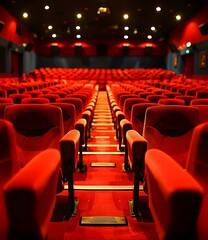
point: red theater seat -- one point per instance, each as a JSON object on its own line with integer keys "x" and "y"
{"x": 17, "y": 98}
{"x": 197, "y": 166}
{"x": 172, "y": 193}
{"x": 167, "y": 128}
{"x": 68, "y": 112}
{"x": 171, "y": 101}
{"x": 39, "y": 127}
{"x": 50, "y": 96}
{"x": 76, "y": 102}
{"x": 35, "y": 100}
{"x": 20, "y": 202}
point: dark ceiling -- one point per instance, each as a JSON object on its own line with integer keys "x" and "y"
{"x": 142, "y": 15}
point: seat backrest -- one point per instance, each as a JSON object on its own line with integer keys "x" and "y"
{"x": 50, "y": 96}
{"x": 187, "y": 99}
{"x": 138, "y": 115}
{"x": 155, "y": 97}
{"x": 68, "y": 112}
{"x": 76, "y": 102}
{"x": 123, "y": 98}
{"x": 169, "y": 128}
{"x": 2, "y": 108}
{"x": 17, "y": 98}
{"x": 198, "y": 101}
{"x": 197, "y": 166}
{"x": 203, "y": 112}
{"x": 171, "y": 101}
{"x": 9, "y": 166}
{"x": 35, "y": 100}
{"x": 128, "y": 104}
{"x": 37, "y": 127}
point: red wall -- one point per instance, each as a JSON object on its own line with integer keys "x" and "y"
{"x": 189, "y": 31}
{"x": 89, "y": 47}
{"x": 9, "y": 30}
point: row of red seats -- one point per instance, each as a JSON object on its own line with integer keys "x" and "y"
{"x": 169, "y": 129}
{"x": 36, "y": 129}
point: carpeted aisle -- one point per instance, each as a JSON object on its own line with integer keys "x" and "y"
{"x": 102, "y": 190}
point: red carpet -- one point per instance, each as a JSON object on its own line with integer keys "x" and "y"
{"x": 102, "y": 148}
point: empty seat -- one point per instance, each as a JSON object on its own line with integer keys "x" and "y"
{"x": 76, "y": 102}
{"x": 50, "y": 96}
{"x": 17, "y": 98}
{"x": 35, "y": 100}
{"x": 39, "y": 127}
{"x": 172, "y": 193}
{"x": 171, "y": 101}
{"x": 20, "y": 202}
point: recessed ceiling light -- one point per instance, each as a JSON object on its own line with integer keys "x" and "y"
{"x": 149, "y": 36}
{"x": 25, "y": 15}
{"x": 50, "y": 27}
{"x": 178, "y": 17}
{"x": 46, "y": 7}
{"x": 153, "y": 28}
{"x": 125, "y": 16}
{"x": 78, "y": 27}
{"x": 78, "y": 36}
{"x": 188, "y": 44}
{"x": 54, "y": 35}
{"x": 126, "y": 36}
{"x": 158, "y": 9}
{"x": 79, "y": 15}
{"x": 126, "y": 28}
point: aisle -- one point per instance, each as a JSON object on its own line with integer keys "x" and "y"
{"x": 103, "y": 158}
{"x": 104, "y": 190}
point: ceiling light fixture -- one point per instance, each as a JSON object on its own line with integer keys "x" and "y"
{"x": 126, "y": 28}
{"x": 53, "y": 35}
{"x": 125, "y": 16}
{"x": 46, "y": 7}
{"x": 79, "y": 15}
{"x": 158, "y": 9}
{"x": 50, "y": 27}
{"x": 149, "y": 36}
{"x": 178, "y": 17}
{"x": 126, "y": 36}
{"x": 188, "y": 44}
{"x": 78, "y": 36}
{"x": 78, "y": 27}
{"x": 103, "y": 11}
{"x": 25, "y": 15}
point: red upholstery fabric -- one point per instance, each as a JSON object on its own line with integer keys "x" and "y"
{"x": 203, "y": 112}
{"x": 35, "y": 100}
{"x": 171, "y": 101}
{"x": 174, "y": 197}
{"x": 138, "y": 115}
{"x": 6, "y": 100}
{"x": 197, "y": 166}
{"x": 17, "y": 98}
{"x": 37, "y": 127}
{"x": 170, "y": 128}
{"x": 50, "y": 96}
{"x": 31, "y": 195}
{"x": 68, "y": 113}
{"x": 128, "y": 104}
{"x": 77, "y": 103}
{"x": 2, "y": 108}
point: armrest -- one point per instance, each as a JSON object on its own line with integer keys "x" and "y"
{"x": 174, "y": 196}
{"x": 125, "y": 126}
{"x": 69, "y": 147}
{"x": 31, "y": 194}
{"x": 137, "y": 147}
